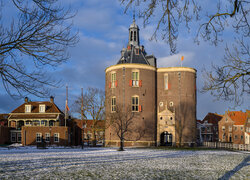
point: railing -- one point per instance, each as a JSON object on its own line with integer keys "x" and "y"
{"x": 221, "y": 145}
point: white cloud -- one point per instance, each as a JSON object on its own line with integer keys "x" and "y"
{"x": 175, "y": 60}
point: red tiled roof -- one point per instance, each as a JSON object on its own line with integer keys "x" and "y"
{"x": 238, "y": 117}
{"x": 50, "y": 107}
{"x": 212, "y": 118}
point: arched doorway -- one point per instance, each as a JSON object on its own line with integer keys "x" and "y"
{"x": 166, "y": 139}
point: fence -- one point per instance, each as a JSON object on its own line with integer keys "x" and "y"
{"x": 221, "y": 145}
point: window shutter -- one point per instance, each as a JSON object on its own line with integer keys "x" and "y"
{"x": 130, "y": 83}
{"x": 140, "y": 83}
{"x": 116, "y": 83}
{"x": 140, "y": 108}
{"x": 169, "y": 86}
{"x": 109, "y": 84}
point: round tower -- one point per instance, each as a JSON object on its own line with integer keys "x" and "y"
{"x": 176, "y": 104}
{"x": 162, "y": 101}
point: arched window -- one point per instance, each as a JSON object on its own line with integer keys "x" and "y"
{"x": 134, "y": 35}
{"x": 131, "y": 36}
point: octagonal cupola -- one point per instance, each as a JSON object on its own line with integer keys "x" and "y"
{"x": 134, "y": 34}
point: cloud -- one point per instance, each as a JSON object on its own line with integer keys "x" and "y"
{"x": 175, "y": 60}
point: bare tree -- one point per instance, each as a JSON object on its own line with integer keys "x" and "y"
{"x": 228, "y": 82}
{"x": 37, "y": 38}
{"x": 123, "y": 124}
{"x": 93, "y": 106}
{"x": 231, "y": 80}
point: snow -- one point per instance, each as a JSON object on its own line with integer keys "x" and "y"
{"x": 108, "y": 163}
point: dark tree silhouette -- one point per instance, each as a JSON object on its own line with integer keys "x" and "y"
{"x": 37, "y": 38}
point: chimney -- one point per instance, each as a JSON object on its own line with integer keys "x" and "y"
{"x": 26, "y": 99}
{"x": 51, "y": 99}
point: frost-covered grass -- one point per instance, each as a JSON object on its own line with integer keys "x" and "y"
{"x": 108, "y": 163}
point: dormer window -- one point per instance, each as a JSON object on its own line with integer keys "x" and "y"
{"x": 28, "y": 108}
{"x": 42, "y": 108}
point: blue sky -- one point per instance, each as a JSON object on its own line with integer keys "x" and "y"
{"x": 103, "y": 32}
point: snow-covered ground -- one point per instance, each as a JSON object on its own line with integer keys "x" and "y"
{"x": 108, "y": 163}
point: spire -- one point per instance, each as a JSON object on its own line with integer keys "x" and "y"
{"x": 134, "y": 33}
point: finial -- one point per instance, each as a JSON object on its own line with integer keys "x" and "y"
{"x": 134, "y": 15}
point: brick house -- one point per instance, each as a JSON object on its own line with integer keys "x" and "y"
{"x": 247, "y": 128}
{"x": 209, "y": 127}
{"x": 232, "y": 127}
{"x": 34, "y": 122}
{"x": 84, "y": 129}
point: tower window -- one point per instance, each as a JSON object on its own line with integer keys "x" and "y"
{"x": 134, "y": 35}
{"x": 166, "y": 85}
{"x": 113, "y": 80}
{"x": 113, "y": 104}
{"x": 135, "y": 79}
{"x": 135, "y": 103}
{"x": 131, "y": 36}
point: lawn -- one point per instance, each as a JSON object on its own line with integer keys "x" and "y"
{"x": 108, "y": 163}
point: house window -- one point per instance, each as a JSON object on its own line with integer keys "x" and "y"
{"x": 47, "y": 137}
{"x": 113, "y": 104}
{"x": 43, "y": 123}
{"x": 51, "y": 123}
{"x": 241, "y": 137}
{"x": 241, "y": 128}
{"x": 226, "y": 119}
{"x": 135, "y": 79}
{"x": 166, "y": 87}
{"x": 36, "y": 123}
{"x": 235, "y": 137}
{"x": 235, "y": 128}
{"x": 13, "y": 137}
{"x": 28, "y": 123}
{"x": 230, "y": 128}
{"x": 19, "y": 137}
{"x": 38, "y": 137}
{"x": 135, "y": 104}
{"x": 27, "y": 108}
{"x": 208, "y": 129}
{"x": 42, "y": 108}
{"x": 56, "y": 137}
{"x": 113, "y": 80}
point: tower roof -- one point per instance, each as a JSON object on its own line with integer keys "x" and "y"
{"x": 134, "y": 53}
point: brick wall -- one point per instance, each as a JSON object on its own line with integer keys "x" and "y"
{"x": 29, "y": 135}
{"x": 4, "y": 135}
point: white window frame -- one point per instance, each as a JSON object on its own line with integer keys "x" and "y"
{"x": 135, "y": 78}
{"x": 42, "y": 108}
{"x": 28, "y": 108}
{"x": 113, "y": 79}
{"x": 56, "y": 137}
{"x": 19, "y": 135}
{"x": 166, "y": 82}
{"x": 13, "y": 136}
{"x": 134, "y": 104}
{"x": 38, "y": 137}
{"x": 47, "y": 137}
{"x": 113, "y": 104}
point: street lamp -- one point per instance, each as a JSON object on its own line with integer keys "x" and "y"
{"x": 83, "y": 126}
